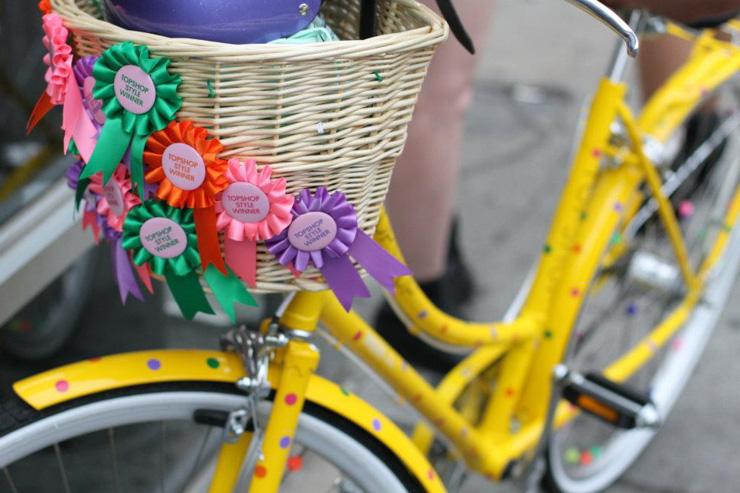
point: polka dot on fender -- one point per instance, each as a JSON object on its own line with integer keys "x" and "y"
{"x": 357, "y": 336}
{"x": 285, "y": 442}
{"x": 618, "y": 206}
{"x": 575, "y": 292}
{"x": 376, "y": 424}
{"x": 430, "y": 474}
{"x": 422, "y": 314}
{"x": 260, "y": 471}
{"x": 154, "y": 364}
{"x": 291, "y": 399}
{"x": 213, "y": 363}
{"x": 61, "y": 386}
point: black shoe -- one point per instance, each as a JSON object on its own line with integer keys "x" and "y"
{"x": 450, "y": 293}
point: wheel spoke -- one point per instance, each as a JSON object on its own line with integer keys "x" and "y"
{"x": 199, "y": 456}
{"x": 114, "y": 459}
{"x": 62, "y": 469}
{"x": 13, "y": 489}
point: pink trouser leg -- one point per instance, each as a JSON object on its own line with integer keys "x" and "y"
{"x": 422, "y": 195}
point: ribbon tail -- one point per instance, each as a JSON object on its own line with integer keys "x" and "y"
{"x": 42, "y": 107}
{"x": 381, "y": 265}
{"x": 188, "y": 294}
{"x": 136, "y": 163}
{"x": 228, "y": 289}
{"x": 108, "y": 152}
{"x": 90, "y": 219}
{"x": 145, "y": 275}
{"x": 125, "y": 274}
{"x": 344, "y": 280}
{"x": 85, "y": 137}
{"x": 82, "y": 184}
{"x": 72, "y": 110}
{"x": 241, "y": 257}
{"x": 208, "y": 246}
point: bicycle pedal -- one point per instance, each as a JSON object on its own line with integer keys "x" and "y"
{"x": 609, "y": 401}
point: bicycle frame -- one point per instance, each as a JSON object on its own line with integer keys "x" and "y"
{"x": 595, "y": 203}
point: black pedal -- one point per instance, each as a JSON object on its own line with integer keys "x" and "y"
{"x": 609, "y": 401}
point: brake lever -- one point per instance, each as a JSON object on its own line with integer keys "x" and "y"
{"x": 611, "y": 19}
{"x": 456, "y": 26}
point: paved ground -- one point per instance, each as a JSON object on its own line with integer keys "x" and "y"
{"x": 542, "y": 60}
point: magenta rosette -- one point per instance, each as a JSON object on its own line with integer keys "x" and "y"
{"x": 115, "y": 198}
{"x": 253, "y": 208}
{"x": 324, "y": 232}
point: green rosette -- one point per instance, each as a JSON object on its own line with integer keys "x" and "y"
{"x": 179, "y": 260}
{"x": 139, "y": 96}
{"x": 180, "y": 271}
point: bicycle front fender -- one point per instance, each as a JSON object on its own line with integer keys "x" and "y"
{"x": 108, "y": 373}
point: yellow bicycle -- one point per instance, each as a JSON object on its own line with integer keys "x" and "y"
{"x": 643, "y": 250}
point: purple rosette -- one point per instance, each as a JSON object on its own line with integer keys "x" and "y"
{"x": 324, "y": 232}
{"x": 83, "y": 71}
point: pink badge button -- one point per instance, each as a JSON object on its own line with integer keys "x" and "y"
{"x": 94, "y": 105}
{"x": 135, "y": 90}
{"x": 312, "y": 231}
{"x": 183, "y": 166}
{"x": 245, "y": 202}
{"x": 163, "y": 237}
{"x": 113, "y": 195}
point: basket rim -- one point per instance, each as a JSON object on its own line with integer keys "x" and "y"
{"x": 435, "y": 31}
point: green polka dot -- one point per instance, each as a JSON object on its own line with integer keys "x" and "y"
{"x": 584, "y": 215}
{"x": 548, "y": 334}
{"x": 616, "y": 239}
{"x": 546, "y": 249}
{"x": 572, "y": 455}
{"x": 344, "y": 391}
{"x": 213, "y": 363}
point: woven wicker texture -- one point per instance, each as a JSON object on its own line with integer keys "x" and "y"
{"x": 332, "y": 114}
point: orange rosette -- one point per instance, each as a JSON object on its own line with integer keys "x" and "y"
{"x": 183, "y": 161}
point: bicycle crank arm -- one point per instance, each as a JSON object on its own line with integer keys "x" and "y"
{"x": 609, "y": 401}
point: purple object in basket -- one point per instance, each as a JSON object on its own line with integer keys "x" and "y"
{"x": 228, "y": 21}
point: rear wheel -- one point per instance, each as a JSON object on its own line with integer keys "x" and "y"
{"x": 146, "y": 439}
{"x": 631, "y": 295}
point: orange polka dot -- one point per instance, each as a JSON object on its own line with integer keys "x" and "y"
{"x": 260, "y": 471}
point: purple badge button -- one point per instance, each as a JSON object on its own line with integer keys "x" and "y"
{"x": 135, "y": 90}
{"x": 163, "y": 237}
{"x": 183, "y": 166}
{"x": 245, "y": 202}
{"x": 312, "y": 231}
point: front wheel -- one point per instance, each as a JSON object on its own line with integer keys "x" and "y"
{"x": 148, "y": 439}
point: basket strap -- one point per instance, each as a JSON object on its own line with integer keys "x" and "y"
{"x": 456, "y": 25}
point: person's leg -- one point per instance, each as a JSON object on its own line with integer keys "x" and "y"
{"x": 422, "y": 195}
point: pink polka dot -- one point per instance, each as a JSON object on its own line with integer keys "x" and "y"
{"x": 430, "y": 474}
{"x": 62, "y": 386}
{"x": 596, "y": 153}
{"x": 357, "y": 336}
{"x": 291, "y": 399}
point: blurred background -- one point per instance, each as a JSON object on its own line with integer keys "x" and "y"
{"x": 59, "y": 303}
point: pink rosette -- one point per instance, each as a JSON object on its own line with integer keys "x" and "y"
{"x": 115, "y": 198}
{"x": 252, "y": 208}
{"x": 62, "y": 88}
{"x": 58, "y": 59}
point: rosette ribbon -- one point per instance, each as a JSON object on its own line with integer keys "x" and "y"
{"x": 115, "y": 198}
{"x": 62, "y": 88}
{"x": 325, "y": 233}
{"x": 253, "y": 208}
{"x": 183, "y": 161}
{"x": 164, "y": 238}
{"x": 122, "y": 270}
{"x": 139, "y": 97}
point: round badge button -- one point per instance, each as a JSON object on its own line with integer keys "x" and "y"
{"x": 135, "y": 89}
{"x": 163, "y": 237}
{"x": 114, "y": 196}
{"x": 312, "y": 231}
{"x": 245, "y": 202}
{"x": 183, "y": 166}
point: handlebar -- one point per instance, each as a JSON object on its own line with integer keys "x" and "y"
{"x": 608, "y": 17}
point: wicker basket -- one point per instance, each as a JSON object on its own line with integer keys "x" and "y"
{"x": 332, "y": 114}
